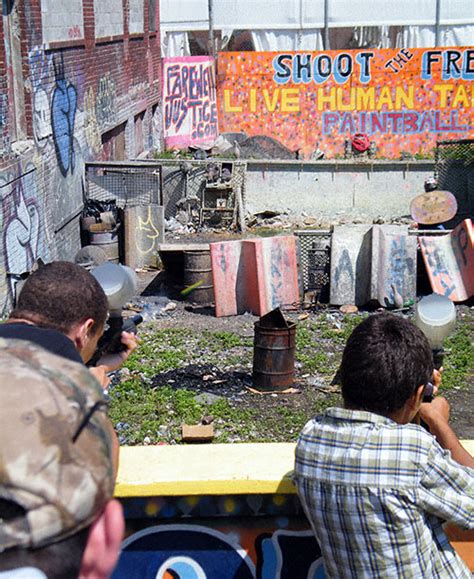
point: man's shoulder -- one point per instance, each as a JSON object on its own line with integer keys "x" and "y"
{"x": 52, "y": 340}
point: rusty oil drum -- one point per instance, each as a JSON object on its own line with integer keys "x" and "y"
{"x": 274, "y": 357}
{"x": 197, "y": 268}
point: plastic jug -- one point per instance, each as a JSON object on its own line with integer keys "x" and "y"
{"x": 435, "y": 315}
{"x": 119, "y": 283}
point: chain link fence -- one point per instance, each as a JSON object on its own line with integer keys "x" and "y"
{"x": 454, "y": 171}
{"x": 216, "y": 187}
{"x": 314, "y": 252}
{"x": 128, "y": 183}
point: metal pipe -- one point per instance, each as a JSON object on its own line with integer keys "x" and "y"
{"x": 326, "y": 24}
{"x": 437, "y": 23}
{"x": 212, "y": 46}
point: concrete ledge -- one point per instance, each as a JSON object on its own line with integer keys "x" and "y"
{"x": 211, "y": 469}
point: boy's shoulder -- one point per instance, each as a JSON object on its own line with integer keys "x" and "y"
{"x": 361, "y": 448}
{"x": 339, "y": 429}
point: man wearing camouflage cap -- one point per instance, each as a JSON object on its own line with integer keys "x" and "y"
{"x": 58, "y": 461}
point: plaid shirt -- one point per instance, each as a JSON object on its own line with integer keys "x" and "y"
{"x": 376, "y": 494}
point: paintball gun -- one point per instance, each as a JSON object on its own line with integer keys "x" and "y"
{"x": 119, "y": 283}
{"x": 435, "y": 315}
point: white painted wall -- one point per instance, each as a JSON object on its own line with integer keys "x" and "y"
{"x": 136, "y": 16}
{"x": 108, "y": 18}
{"x": 61, "y": 20}
{"x": 375, "y": 189}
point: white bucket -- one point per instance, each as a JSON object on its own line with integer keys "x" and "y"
{"x": 435, "y": 315}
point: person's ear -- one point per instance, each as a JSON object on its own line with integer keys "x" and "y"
{"x": 417, "y": 397}
{"x": 81, "y": 333}
{"x": 103, "y": 543}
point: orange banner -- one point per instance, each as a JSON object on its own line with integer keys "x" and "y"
{"x": 402, "y": 100}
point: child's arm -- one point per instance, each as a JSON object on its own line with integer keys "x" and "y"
{"x": 436, "y": 415}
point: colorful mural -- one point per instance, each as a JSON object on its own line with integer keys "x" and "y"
{"x": 193, "y": 551}
{"x": 189, "y": 101}
{"x": 218, "y": 537}
{"x": 403, "y": 100}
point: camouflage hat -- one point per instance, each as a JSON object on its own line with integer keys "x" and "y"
{"x": 55, "y": 446}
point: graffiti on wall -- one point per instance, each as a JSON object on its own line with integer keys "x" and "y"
{"x": 40, "y": 67}
{"x": 189, "y": 100}
{"x": 56, "y": 120}
{"x": 22, "y": 225}
{"x": 105, "y": 101}
{"x": 63, "y": 115}
{"x": 91, "y": 126}
{"x": 147, "y": 234}
{"x": 449, "y": 260}
{"x": 404, "y": 100}
{"x": 156, "y": 127}
{"x": 185, "y": 551}
{"x": 41, "y": 193}
{"x": 3, "y": 110}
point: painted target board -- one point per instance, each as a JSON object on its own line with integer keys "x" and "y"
{"x": 433, "y": 207}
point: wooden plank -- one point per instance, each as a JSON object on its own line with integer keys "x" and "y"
{"x": 182, "y": 246}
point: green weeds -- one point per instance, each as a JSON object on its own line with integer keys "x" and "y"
{"x": 146, "y": 409}
{"x": 459, "y": 361}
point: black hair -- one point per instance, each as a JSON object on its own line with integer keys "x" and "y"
{"x": 60, "y": 295}
{"x": 385, "y": 360}
{"x": 60, "y": 560}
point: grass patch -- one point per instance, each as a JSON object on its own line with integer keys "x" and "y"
{"x": 458, "y": 363}
{"x": 149, "y": 408}
{"x": 140, "y": 412}
{"x": 222, "y": 341}
{"x": 316, "y": 343}
{"x": 159, "y": 351}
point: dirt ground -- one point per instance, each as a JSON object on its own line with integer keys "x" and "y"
{"x": 214, "y": 363}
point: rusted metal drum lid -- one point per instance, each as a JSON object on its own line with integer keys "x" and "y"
{"x": 434, "y": 207}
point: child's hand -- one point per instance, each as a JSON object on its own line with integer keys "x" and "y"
{"x": 435, "y": 412}
{"x": 437, "y": 377}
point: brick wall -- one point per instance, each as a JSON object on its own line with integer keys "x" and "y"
{"x": 3, "y": 94}
{"x": 81, "y": 98}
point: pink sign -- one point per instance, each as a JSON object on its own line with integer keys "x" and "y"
{"x": 189, "y": 101}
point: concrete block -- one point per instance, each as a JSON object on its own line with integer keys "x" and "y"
{"x": 255, "y": 275}
{"x": 449, "y": 260}
{"x": 144, "y": 232}
{"x": 277, "y": 275}
{"x": 228, "y": 274}
{"x": 393, "y": 275}
{"x": 350, "y": 264}
{"x": 197, "y": 432}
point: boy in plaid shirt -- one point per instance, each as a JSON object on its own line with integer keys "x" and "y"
{"x": 376, "y": 487}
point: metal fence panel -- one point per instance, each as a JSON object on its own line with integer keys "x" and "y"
{"x": 454, "y": 171}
